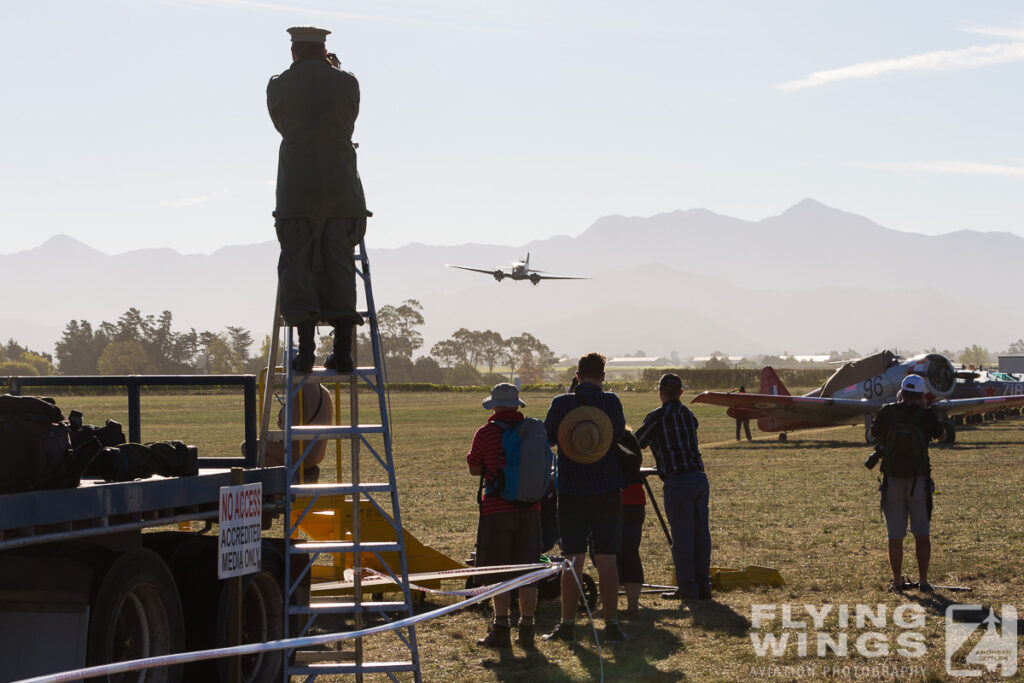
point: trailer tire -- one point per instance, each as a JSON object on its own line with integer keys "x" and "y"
{"x": 136, "y": 613}
{"x": 262, "y": 621}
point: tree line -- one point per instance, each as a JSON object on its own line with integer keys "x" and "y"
{"x": 145, "y": 344}
{"x": 457, "y": 359}
{"x": 138, "y": 344}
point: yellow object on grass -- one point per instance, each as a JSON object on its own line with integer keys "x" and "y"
{"x": 330, "y": 519}
{"x": 724, "y": 578}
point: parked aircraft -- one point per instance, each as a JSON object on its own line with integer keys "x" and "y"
{"x": 520, "y": 270}
{"x": 971, "y": 383}
{"x": 854, "y": 393}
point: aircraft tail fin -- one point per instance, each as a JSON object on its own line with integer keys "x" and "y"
{"x": 527, "y": 261}
{"x": 771, "y": 384}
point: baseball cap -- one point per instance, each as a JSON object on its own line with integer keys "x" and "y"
{"x": 913, "y": 384}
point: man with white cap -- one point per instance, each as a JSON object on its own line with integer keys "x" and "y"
{"x": 671, "y": 433}
{"x": 902, "y": 431}
{"x": 321, "y": 211}
{"x": 586, "y": 424}
{"x": 508, "y": 532}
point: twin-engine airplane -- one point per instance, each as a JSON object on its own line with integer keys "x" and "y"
{"x": 520, "y": 270}
{"x": 853, "y": 394}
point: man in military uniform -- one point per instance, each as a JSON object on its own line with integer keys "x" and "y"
{"x": 321, "y": 211}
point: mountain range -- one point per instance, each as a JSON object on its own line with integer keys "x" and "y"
{"x": 811, "y": 279}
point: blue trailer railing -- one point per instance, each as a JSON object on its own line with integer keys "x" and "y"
{"x": 134, "y": 384}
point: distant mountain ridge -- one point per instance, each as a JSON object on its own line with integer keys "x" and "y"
{"x": 811, "y": 279}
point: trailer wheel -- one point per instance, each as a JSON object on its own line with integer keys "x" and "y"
{"x": 262, "y": 621}
{"x": 136, "y": 613}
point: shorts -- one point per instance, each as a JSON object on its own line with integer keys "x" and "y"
{"x": 507, "y": 538}
{"x": 596, "y": 518}
{"x": 899, "y": 503}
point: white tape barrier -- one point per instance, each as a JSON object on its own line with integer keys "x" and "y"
{"x": 291, "y": 643}
{"x": 371, "y": 578}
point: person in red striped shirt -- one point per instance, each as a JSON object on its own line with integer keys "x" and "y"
{"x": 507, "y": 533}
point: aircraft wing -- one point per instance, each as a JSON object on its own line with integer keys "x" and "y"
{"x": 475, "y": 270}
{"x": 558, "y": 277}
{"x": 961, "y": 406}
{"x": 825, "y": 411}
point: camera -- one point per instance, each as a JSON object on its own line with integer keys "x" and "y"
{"x": 873, "y": 459}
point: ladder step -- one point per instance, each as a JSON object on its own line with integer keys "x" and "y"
{"x": 339, "y": 668}
{"x": 325, "y": 376}
{"x": 310, "y": 432}
{"x": 348, "y": 546}
{"x": 342, "y": 489}
{"x": 313, "y": 656}
{"x": 348, "y": 607}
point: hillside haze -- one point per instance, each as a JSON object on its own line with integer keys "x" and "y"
{"x": 809, "y": 280}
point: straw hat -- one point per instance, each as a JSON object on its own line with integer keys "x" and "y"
{"x": 585, "y": 434}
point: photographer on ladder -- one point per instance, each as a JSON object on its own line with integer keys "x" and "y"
{"x": 321, "y": 211}
{"x": 901, "y": 431}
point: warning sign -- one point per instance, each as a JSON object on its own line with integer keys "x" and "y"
{"x": 241, "y": 512}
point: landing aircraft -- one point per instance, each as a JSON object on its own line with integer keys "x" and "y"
{"x": 855, "y": 393}
{"x": 520, "y": 270}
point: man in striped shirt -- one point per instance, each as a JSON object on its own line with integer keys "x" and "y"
{"x": 671, "y": 433}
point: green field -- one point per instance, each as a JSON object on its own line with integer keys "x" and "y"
{"x": 806, "y": 507}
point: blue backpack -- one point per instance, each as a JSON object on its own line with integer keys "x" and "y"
{"x": 529, "y": 471}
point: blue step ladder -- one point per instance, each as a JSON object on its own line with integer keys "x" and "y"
{"x": 369, "y": 444}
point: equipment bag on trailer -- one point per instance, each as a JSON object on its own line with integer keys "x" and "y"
{"x": 35, "y": 447}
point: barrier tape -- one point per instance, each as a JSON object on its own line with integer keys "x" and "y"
{"x": 374, "y": 579}
{"x": 292, "y": 643}
{"x": 464, "y": 592}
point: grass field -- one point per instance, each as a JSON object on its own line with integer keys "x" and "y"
{"x": 806, "y": 507}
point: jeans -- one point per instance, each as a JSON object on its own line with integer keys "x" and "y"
{"x": 686, "y": 506}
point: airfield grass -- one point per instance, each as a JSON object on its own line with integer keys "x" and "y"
{"x": 806, "y": 507}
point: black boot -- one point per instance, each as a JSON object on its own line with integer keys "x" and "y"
{"x": 340, "y": 359}
{"x": 303, "y": 362}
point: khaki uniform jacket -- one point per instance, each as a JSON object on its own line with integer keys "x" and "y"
{"x": 314, "y": 106}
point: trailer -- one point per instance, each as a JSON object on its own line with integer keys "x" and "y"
{"x": 82, "y": 584}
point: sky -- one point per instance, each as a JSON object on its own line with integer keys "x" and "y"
{"x": 132, "y": 124}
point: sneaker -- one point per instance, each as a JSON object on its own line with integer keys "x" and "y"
{"x": 565, "y": 631}
{"x": 526, "y": 636}
{"x": 497, "y": 636}
{"x": 613, "y": 633}
{"x": 926, "y": 587}
{"x": 894, "y": 587}
{"x": 677, "y": 594}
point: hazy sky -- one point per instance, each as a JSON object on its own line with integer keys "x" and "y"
{"x": 143, "y": 123}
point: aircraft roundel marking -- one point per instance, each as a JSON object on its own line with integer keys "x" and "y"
{"x": 764, "y": 405}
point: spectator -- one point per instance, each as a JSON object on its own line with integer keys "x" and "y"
{"x": 321, "y": 211}
{"x": 585, "y": 424}
{"x": 507, "y": 533}
{"x": 902, "y": 430}
{"x": 671, "y": 433}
